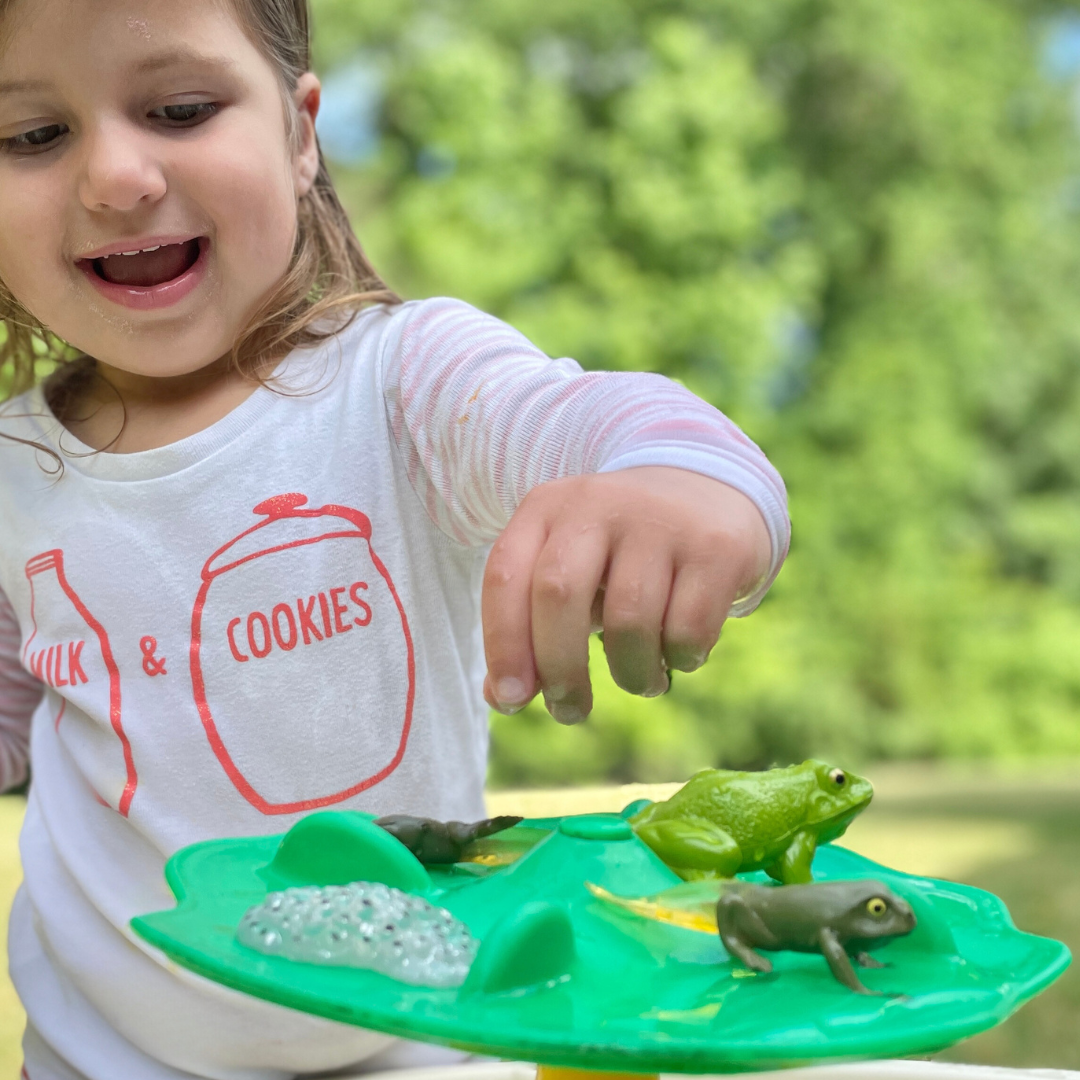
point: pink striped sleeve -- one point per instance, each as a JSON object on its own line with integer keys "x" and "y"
{"x": 482, "y": 416}
{"x": 20, "y": 693}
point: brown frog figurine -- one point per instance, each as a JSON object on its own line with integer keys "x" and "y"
{"x": 834, "y": 918}
{"x": 838, "y": 919}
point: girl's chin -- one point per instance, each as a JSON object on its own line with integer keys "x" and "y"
{"x": 152, "y": 297}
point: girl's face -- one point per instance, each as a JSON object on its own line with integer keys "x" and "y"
{"x": 155, "y": 127}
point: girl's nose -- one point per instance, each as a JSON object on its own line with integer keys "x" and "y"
{"x": 119, "y": 172}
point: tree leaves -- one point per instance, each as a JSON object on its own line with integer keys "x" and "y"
{"x": 852, "y": 225}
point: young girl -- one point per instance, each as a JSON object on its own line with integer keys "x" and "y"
{"x": 247, "y": 523}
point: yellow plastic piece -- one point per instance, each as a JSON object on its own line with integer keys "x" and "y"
{"x": 649, "y": 908}
{"x": 558, "y": 1072}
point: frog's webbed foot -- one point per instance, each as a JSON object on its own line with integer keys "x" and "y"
{"x": 839, "y": 964}
{"x": 693, "y": 845}
{"x": 793, "y": 867}
{"x": 864, "y": 959}
{"x": 751, "y": 958}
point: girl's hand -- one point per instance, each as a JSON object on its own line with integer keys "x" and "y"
{"x": 652, "y": 556}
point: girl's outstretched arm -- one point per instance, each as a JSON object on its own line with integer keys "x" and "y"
{"x": 616, "y": 501}
{"x": 20, "y": 693}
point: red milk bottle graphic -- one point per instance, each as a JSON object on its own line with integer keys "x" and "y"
{"x": 302, "y": 662}
{"x": 69, "y": 650}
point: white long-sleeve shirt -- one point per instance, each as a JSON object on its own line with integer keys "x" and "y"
{"x": 275, "y": 615}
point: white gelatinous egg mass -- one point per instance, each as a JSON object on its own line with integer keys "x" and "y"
{"x": 366, "y": 925}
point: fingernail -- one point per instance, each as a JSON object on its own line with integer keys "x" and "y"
{"x": 566, "y": 714}
{"x": 555, "y": 693}
{"x": 687, "y": 661}
{"x": 651, "y": 693}
{"x": 510, "y": 694}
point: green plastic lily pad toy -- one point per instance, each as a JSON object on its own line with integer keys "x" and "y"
{"x": 562, "y": 978}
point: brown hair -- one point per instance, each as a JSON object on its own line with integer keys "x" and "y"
{"x": 329, "y": 277}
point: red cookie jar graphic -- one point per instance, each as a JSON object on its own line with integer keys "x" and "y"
{"x": 301, "y": 658}
{"x": 69, "y": 650}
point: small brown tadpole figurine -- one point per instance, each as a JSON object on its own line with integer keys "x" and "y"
{"x": 435, "y": 842}
{"x": 839, "y": 919}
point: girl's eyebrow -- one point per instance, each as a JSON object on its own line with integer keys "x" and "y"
{"x": 22, "y": 86}
{"x": 180, "y": 56}
{"x": 172, "y": 58}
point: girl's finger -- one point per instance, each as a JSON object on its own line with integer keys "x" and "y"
{"x": 636, "y": 598}
{"x": 565, "y": 581}
{"x": 699, "y": 603}
{"x": 506, "y": 611}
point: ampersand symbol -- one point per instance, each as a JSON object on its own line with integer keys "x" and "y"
{"x": 151, "y": 664}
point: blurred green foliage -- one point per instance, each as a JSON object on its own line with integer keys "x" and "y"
{"x": 853, "y": 226}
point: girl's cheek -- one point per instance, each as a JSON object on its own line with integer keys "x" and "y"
{"x": 255, "y": 205}
{"x": 31, "y": 241}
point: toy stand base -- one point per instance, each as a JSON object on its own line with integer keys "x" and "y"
{"x": 898, "y": 1069}
{"x": 558, "y": 1072}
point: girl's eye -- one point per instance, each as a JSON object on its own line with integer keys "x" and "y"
{"x": 186, "y": 115}
{"x": 32, "y": 142}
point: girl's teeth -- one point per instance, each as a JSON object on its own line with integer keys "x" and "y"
{"x": 141, "y": 250}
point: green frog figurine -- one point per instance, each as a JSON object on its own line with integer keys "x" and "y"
{"x": 721, "y": 823}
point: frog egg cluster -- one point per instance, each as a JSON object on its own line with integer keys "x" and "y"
{"x": 366, "y": 925}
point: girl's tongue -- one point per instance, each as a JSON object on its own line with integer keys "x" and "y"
{"x": 145, "y": 269}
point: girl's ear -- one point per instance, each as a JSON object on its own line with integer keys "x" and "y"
{"x": 306, "y": 98}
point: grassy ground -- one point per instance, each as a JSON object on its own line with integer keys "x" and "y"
{"x": 1014, "y": 833}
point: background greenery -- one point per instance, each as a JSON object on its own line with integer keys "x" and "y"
{"x": 852, "y": 225}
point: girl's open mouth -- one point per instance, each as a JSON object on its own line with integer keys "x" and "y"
{"x": 149, "y": 277}
{"x": 149, "y": 267}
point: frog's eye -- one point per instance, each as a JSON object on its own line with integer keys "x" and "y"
{"x": 838, "y": 777}
{"x": 876, "y": 906}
